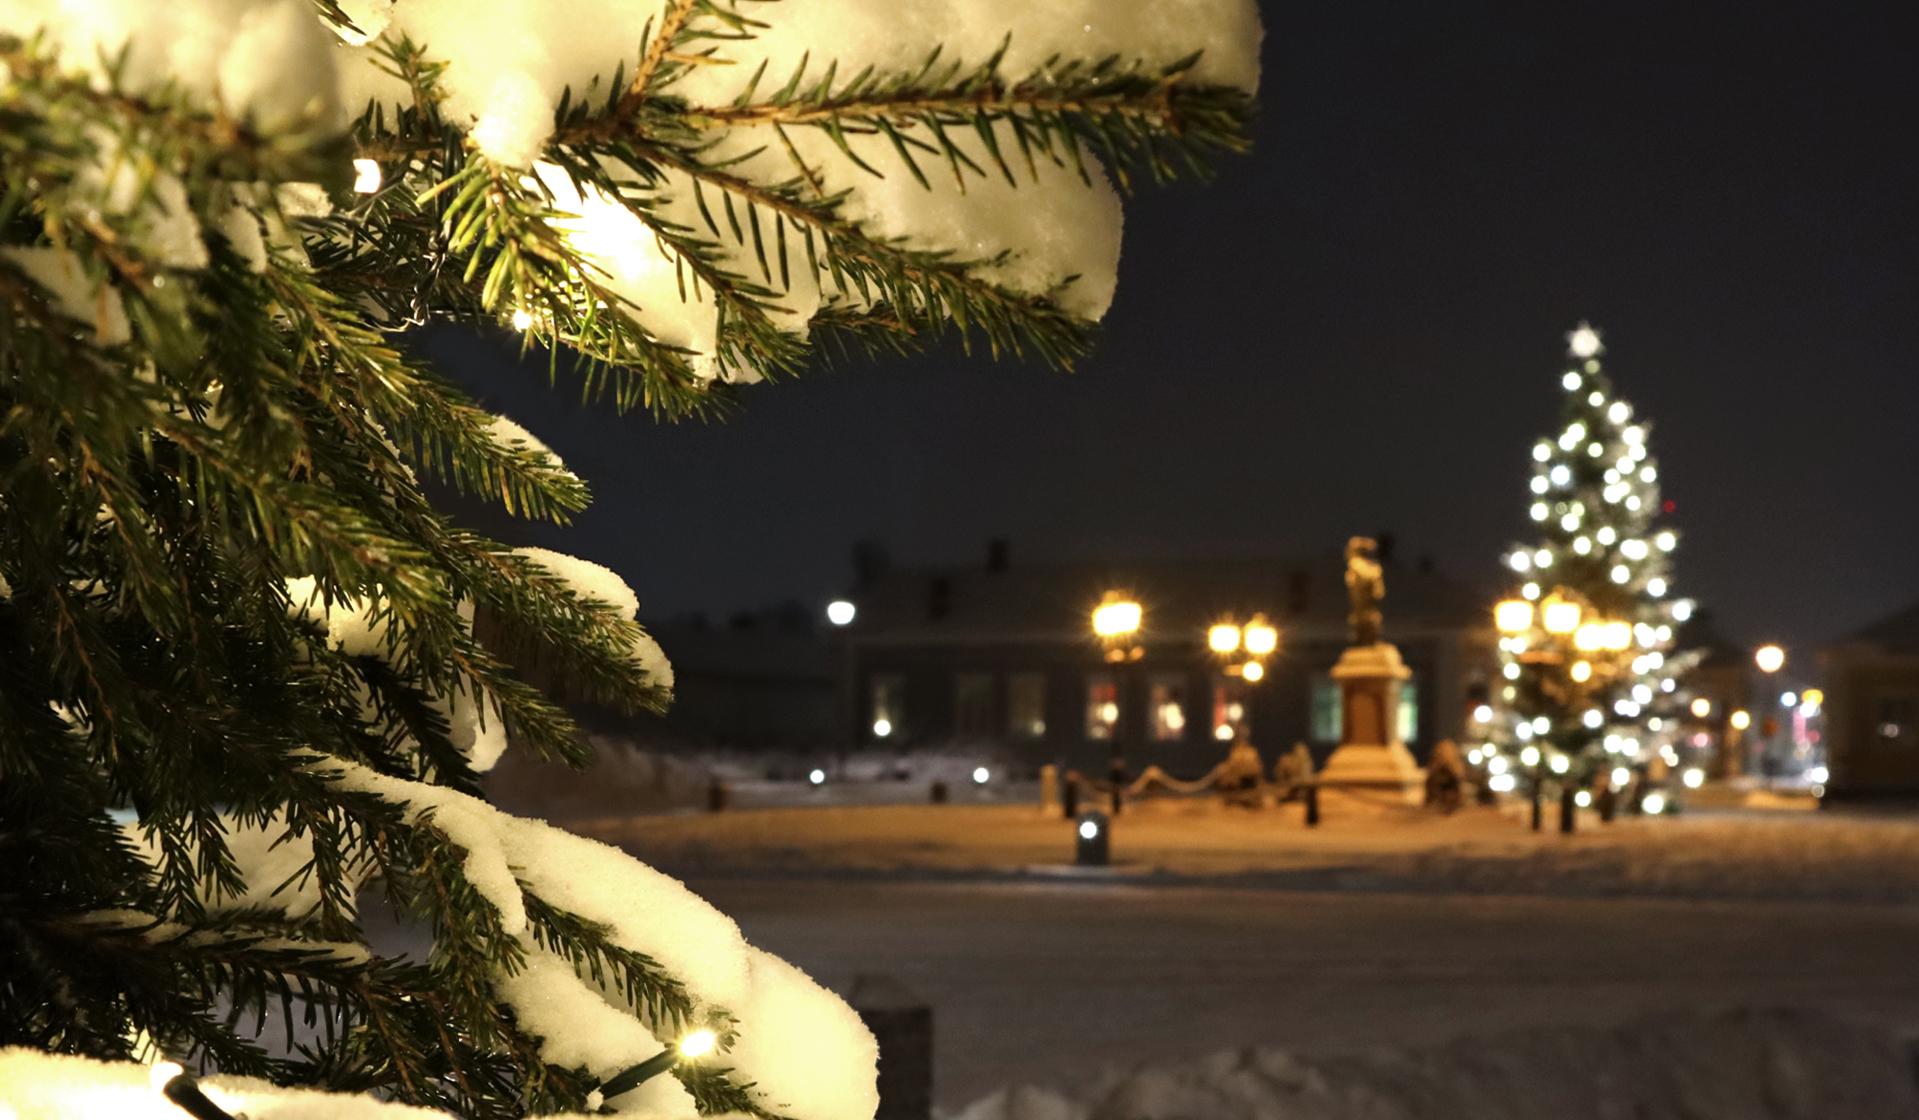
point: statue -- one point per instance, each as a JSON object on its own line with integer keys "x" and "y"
{"x": 1365, "y": 587}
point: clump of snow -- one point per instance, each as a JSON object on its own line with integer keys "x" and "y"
{"x": 509, "y": 434}
{"x": 267, "y": 62}
{"x": 505, "y": 74}
{"x": 41, "y": 1086}
{"x": 813, "y": 1054}
{"x": 591, "y": 581}
{"x": 353, "y": 627}
{"x": 74, "y": 293}
{"x": 270, "y": 859}
{"x": 790, "y": 1027}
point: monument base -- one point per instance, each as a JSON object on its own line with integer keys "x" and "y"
{"x": 1387, "y": 769}
{"x": 1370, "y": 756}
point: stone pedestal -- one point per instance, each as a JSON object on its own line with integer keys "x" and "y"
{"x": 1371, "y": 755}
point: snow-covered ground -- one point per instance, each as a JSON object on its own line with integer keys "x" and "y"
{"x": 1073, "y": 986}
{"x": 1710, "y": 854}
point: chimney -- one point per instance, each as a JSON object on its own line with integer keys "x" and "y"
{"x": 1387, "y": 542}
{"x": 998, "y": 554}
{"x": 939, "y": 597}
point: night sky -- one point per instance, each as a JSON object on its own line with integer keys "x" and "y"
{"x": 1361, "y": 327}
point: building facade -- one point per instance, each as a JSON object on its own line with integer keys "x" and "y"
{"x": 1001, "y": 659}
{"x": 1872, "y": 710}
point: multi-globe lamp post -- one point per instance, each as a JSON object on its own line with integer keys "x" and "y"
{"x": 1116, "y": 622}
{"x": 1564, "y": 655}
{"x": 1244, "y": 649}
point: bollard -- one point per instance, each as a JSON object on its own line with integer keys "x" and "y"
{"x": 1092, "y": 840}
{"x": 902, "y": 1024}
{"x": 1608, "y": 804}
{"x": 1048, "y": 788}
{"x": 1069, "y": 796}
{"x": 1312, "y": 806}
{"x": 1568, "y": 810}
{"x": 716, "y": 796}
{"x": 938, "y": 793}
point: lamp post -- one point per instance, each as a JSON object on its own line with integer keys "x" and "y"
{"x": 1243, "y": 650}
{"x": 1770, "y": 658}
{"x": 1561, "y": 679}
{"x": 1116, "y": 622}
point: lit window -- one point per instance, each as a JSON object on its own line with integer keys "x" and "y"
{"x": 1026, "y": 705}
{"x": 1232, "y": 716}
{"x": 973, "y": 705}
{"x": 1408, "y": 712}
{"x": 1327, "y": 716}
{"x": 1102, "y": 706}
{"x": 1169, "y": 709}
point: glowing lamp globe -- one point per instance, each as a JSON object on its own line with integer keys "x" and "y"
{"x": 1701, "y": 708}
{"x": 1514, "y": 616}
{"x": 1769, "y": 658}
{"x": 839, "y": 612}
{"x": 698, "y": 1044}
{"x": 1261, "y": 638}
{"x": 1560, "y": 616}
{"x": 1584, "y": 342}
{"x": 1253, "y": 671}
{"x": 1741, "y": 720}
{"x": 1117, "y": 617}
{"x": 1221, "y": 638}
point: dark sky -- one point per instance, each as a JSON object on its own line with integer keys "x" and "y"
{"x": 1360, "y": 326}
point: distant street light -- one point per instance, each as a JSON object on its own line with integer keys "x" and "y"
{"x": 1262, "y": 638}
{"x": 1741, "y": 720}
{"x": 1223, "y": 638}
{"x": 839, "y": 612}
{"x": 1253, "y": 671}
{"x": 1116, "y": 621}
{"x": 1769, "y": 658}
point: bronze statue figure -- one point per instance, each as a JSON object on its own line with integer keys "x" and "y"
{"x": 1365, "y": 587}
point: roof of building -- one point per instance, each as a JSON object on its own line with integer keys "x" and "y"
{"x": 1179, "y": 596}
{"x": 1898, "y": 632}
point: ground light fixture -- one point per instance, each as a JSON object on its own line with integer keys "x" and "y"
{"x": 817, "y": 776}
{"x": 1092, "y": 846}
{"x": 981, "y": 775}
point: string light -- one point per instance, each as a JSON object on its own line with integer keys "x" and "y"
{"x": 694, "y": 1046}
{"x": 173, "y": 1082}
{"x": 522, "y": 319}
{"x": 366, "y": 177}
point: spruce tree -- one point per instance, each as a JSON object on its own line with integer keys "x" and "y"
{"x": 1587, "y": 708}
{"x": 249, "y": 674}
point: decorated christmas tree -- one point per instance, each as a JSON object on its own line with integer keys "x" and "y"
{"x": 1590, "y": 689}
{"x": 249, "y": 675}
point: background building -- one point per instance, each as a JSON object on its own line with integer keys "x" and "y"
{"x": 1001, "y": 657}
{"x": 1872, "y": 710}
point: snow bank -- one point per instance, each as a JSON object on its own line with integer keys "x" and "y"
{"x": 1749, "y": 1065}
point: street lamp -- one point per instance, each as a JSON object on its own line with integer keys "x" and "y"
{"x": 1770, "y": 658}
{"x": 1116, "y": 621}
{"x": 1261, "y": 637}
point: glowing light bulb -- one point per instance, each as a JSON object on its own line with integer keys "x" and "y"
{"x": 1592, "y": 719}
{"x": 1571, "y": 381}
{"x": 1621, "y": 573}
{"x": 1583, "y": 799}
{"x": 1693, "y": 777}
{"x": 366, "y": 176}
{"x": 981, "y": 775}
{"x": 816, "y": 776}
{"x": 1089, "y": 830}
{"x": 1521, "y": 561}
{"x": 159, "y": 1073}
{"x": 882, "y": 728}
{"x": 1529, "y": 756}
{"x": 1539, "y": 511}
{"x": 1583, "y": 342}
{"x": 839, "y": 612}
{"x": 1542, "y": 451}
{"x": 1261, "y": 638}
{"x": 1701, "y": 708}
{"x": 1559, "y": 764}
{"x": 1654, "y": 803}
{"x": 1618, "y": 412}
{"x": 1741, "y": 720}
{"x": 522, "y": 319}
{"x": 1253, "y": 671}
{"x": 698, "y": 1044}
{"x": 1222, "y": 637}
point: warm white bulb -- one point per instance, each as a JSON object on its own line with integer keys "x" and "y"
{"x": 366, "y": 176}
{"x": 522, "y": 319}
{"x": 698, "y": 1044}
{"x": 1584, "y": 342}
{"x": 159, "y": 1073}
{"x": 1621, "y": 573}
{"x": 1521, "y": 561}
{"x": 839, "y": 612}
{"x": 1570, "y": 381}
{"x": 1088, "y": 830}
